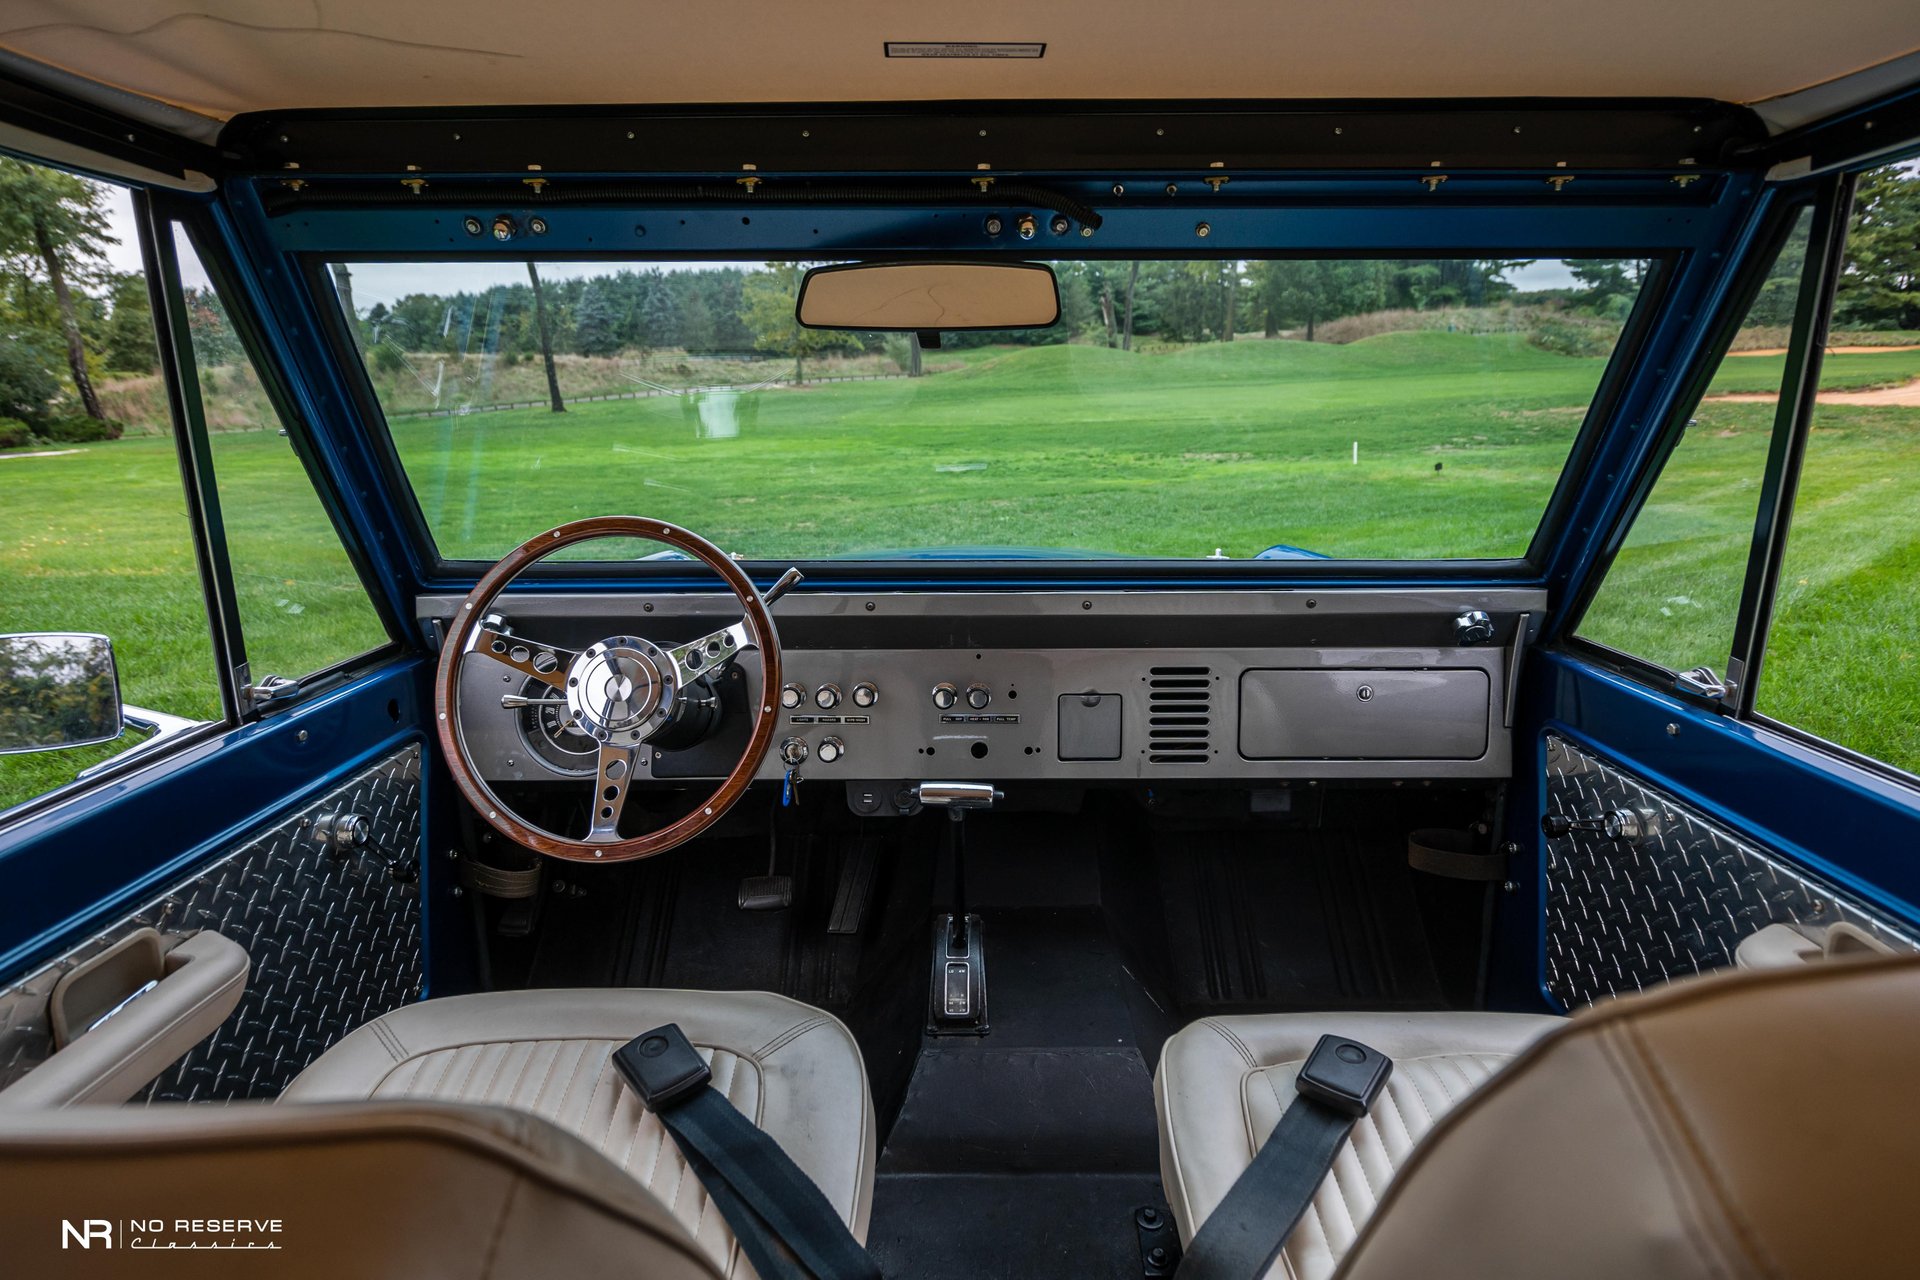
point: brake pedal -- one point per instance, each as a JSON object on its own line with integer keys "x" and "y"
{"x": 766, "y": 893}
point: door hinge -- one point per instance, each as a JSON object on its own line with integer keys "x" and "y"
{"x": 271, "y": 691}
{"x": 1702, "y": 683}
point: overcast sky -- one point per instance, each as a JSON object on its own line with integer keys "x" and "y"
{"x": 388, "y": 282}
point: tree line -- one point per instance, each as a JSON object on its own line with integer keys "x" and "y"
{"x": 738, "y": 309}
{"x": 69, "y": 320}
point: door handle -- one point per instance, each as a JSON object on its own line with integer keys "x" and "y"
{"x": 125, "y": 1016}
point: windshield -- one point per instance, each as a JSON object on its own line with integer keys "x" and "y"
{"x": 1359, "y": 409}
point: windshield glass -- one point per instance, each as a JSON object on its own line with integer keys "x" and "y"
{"x": 1390, "y": 409}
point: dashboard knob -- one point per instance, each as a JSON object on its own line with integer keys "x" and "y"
{"x": 978, "y": 696}
{"x": 793, "y": 752}
{"x": 865, "y": 695}
{"x": 792, "y": 696}
{"x": 830, "y": 749}
{"x": 827, "y": 697}
{"x": 945, "y": 695}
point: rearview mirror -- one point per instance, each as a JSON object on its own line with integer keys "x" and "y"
{"x": 57, "y": 689}
{"x": 929, "y": 297}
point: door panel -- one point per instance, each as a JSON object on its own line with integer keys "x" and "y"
{"x": 332, "y": 926}
{"x": 1842, "y": 831}
{"x": 1672, "y": 896}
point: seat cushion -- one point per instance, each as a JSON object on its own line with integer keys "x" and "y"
{"x": 791, "y": 1069}
{"x": 1223, "y": 1083}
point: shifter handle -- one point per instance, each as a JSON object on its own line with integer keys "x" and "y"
{"x": 786, "y": 582}
{"x": 958, "y": 795}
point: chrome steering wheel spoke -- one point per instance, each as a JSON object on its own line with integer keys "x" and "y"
{"x": 611, "y": 783}
{"x": 711, "y": 653}
{"x": 546, "y": 663}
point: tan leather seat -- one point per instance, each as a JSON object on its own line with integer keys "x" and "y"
{"x": 793, "y": 1070}
{"x": 1754, "y": 1123}
{"x": 389, "y": 1191}
{"x": 1223, "y": 1082}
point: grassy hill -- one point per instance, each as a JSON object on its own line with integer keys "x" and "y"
{"x": 1235, "y": 446}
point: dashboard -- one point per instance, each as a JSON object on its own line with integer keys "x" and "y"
{"x": 882, "y": 690}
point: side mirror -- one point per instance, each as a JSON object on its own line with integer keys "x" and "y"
{"x": 929, "y": 297}
{"x": 57, "y": 689}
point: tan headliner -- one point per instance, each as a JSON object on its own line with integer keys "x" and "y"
{"x": 220, "y": 57}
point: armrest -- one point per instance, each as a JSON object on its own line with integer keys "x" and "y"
{"x": 199, "y": 984}
{"x": 1779, "y": 946}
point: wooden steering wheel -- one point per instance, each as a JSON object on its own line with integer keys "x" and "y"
{"x": 619, "y": 691}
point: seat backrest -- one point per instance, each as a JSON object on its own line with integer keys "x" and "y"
{"x": 324, "y": 1191}
{"x": 1759, "y": 1124}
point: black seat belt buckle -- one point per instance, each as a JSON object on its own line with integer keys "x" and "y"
{"x": 662, "y": 1066}
{"x": 1344, "y": 1074}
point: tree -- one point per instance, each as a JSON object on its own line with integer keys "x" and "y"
{"x": 657, "y": 324}
{"x": 129, "y": 345}
{"x": 769, "y": 297}
{"x": 596, "y": 325}
{"x": 343, "y": 283}
{"x": 1308, "y": 291}
{"x": 1879, "y": 288}
{"x": 27, "y": 382}
{"x": 1601, "y": 281}
{"x": 546, "y": 339}
{"x": 60, "y": 221}
{"x": 1133, "y": 282}
{"x": 212, "y": 337}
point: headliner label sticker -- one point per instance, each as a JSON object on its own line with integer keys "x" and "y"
{"x": 963, "y": 49}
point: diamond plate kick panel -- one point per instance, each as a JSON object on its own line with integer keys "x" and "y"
{"x": 1675, "y": 900}
{"x": 334, "y": 939}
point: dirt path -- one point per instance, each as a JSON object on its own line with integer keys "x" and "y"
{"x": 1832, "y": 351}
{"x": 1906, "y": 395}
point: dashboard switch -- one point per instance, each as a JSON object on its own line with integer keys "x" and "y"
{"x": 864, "y": 694}
{"x": 793, "y": 752}
{"x": 978, "y": 696}
{"x": 945, "y": 695}
{"x": 829, "y": 750}
{"x": 792, "y": 696}
{"x": 827, "y": 697}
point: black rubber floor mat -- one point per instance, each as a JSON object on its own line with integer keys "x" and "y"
{"x": 932, "y": 1226}
{"x": 974, "y": 1107}
{"x": 1054, "y": 978}
{"x": 1293, "y": 920}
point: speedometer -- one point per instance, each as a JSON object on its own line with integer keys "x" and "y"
{"x": 544, "y": 731}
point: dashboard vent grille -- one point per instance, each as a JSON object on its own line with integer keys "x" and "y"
{"x": 1179, "y": 715}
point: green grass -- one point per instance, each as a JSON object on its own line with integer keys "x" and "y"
{"x": 1236, "y": 446}
{"x": 1842, "y": 371}
{"x": 98, "y": 540}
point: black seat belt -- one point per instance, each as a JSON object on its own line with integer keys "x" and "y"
{"x": 781, "y": 1219}
{"x": 1240, "y": 1239}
